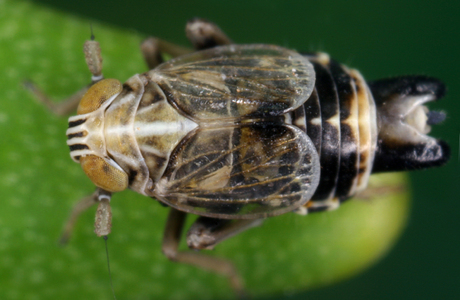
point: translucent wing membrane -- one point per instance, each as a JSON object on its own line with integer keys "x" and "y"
{"x": 236, "y": 82}
{"x": 244, "y": 172}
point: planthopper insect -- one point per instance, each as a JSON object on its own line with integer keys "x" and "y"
{"x": 238, "y": 133}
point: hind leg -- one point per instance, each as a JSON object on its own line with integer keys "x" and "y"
{"x": 205, "y": 233}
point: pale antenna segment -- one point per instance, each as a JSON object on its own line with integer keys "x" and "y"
{"x": 103, "y": 226}
{"x": 93, "y": 58}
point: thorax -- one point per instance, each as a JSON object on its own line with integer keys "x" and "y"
{"x": 141, "y": 130}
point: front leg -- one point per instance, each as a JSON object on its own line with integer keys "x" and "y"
{"x": 93, "y": 58}
{"x": 58, "y": 108}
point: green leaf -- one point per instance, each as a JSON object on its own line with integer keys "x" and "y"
{"x": 40, "y": 184}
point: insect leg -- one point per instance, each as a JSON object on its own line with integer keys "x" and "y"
{"x": 206, "y": 233}
{"x": 171, "y": 239}
{"x": 93, "y": 59}
{"x": 58, "y": 108}
{"x": 80, "y": 207}
{"x": 201, "y": 33}
{"x": 153, "y": 49}
{"x": 204, "y": 34}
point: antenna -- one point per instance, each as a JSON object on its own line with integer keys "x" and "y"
{"x": 105, "y": 237}
{"x": 93, "y": 57}
{"x": 92, "y": 35}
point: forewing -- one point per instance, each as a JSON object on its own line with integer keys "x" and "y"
{"x": 236, "y": 82}
{"x": 252, "y": 171}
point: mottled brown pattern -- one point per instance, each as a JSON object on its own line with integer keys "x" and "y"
{"x": 152, "y": 95}
{"x": 241, "y": 172}
{"x": 236, "y": 82}
{"x": 209, "y": 131}
{"x": 158, "y": 129}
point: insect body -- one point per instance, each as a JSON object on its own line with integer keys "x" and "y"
{"x": 205, "y": 133}
{"x": 238, "y": 133}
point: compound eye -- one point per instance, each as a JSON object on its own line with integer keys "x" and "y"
{"x": 103, "y": 174}
{"x": 98, "y": 94}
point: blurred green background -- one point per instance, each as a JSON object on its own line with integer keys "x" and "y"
{"x": 381, "y": 39}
